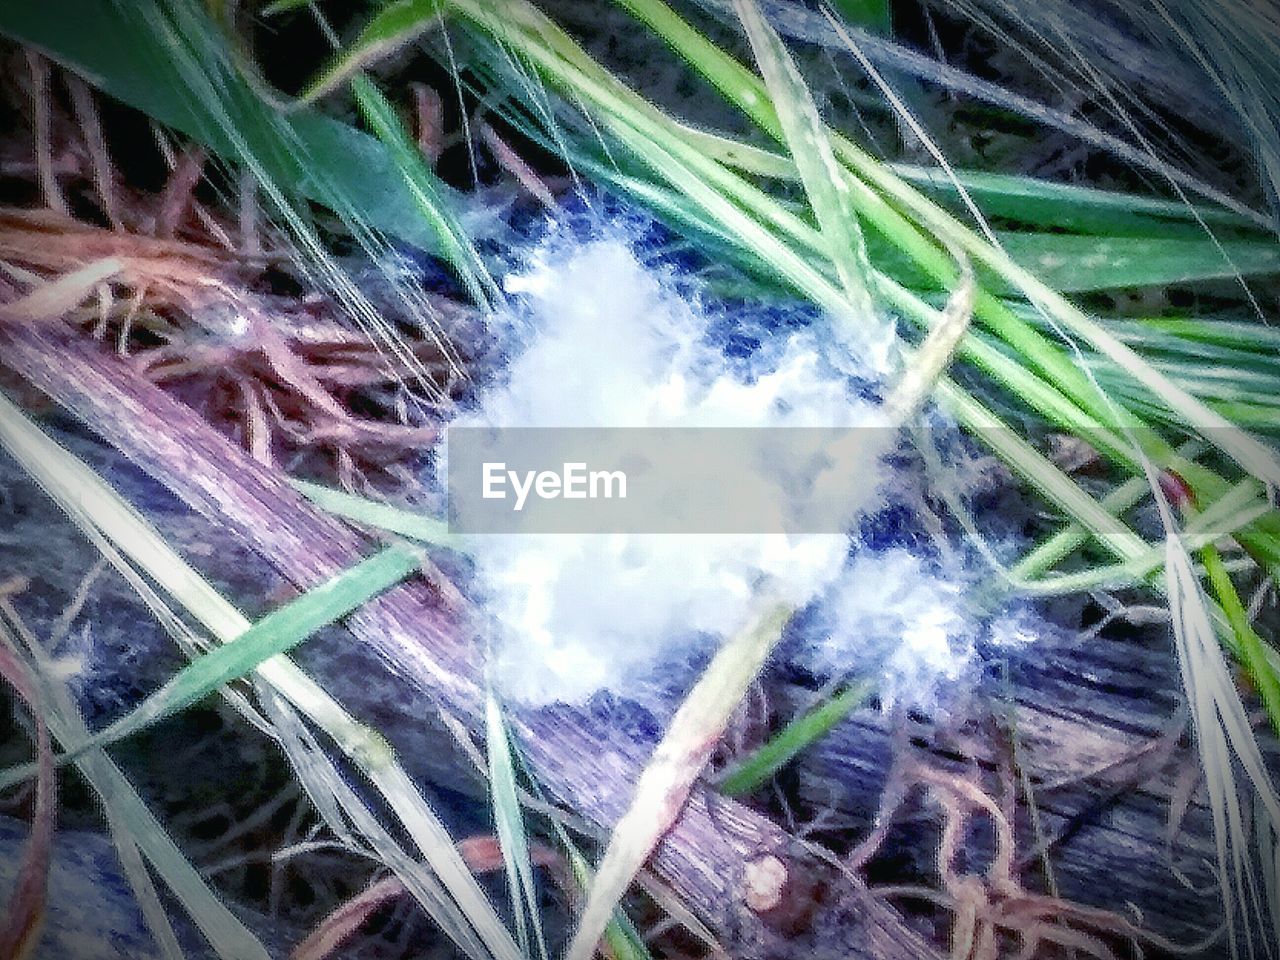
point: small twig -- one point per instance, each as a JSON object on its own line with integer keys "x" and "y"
{"x": 429, "y": 113}
{"x": 96, "y": 144}
{"x": 43, "y": 119}
{"x": 510, "y": 161}
{"x": 179, "y": 192}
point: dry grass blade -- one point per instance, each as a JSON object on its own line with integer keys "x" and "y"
{"x": 931, "y": 360}
{"x": 54, "y": 299}
{"x": 675, "y": 765}
{"x": 20, "y": 928}
{"x": 343, "y": 923}
{"x": 1225, "y": 738}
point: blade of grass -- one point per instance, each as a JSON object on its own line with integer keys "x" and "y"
{"x": 1238, "y": 508}
{"x": 805, "y": 137}
{"x": 755, "y": 770}
{"x": 676, "y": 762}
{"x": 920, "y": 375}
{"x": 1022, "y": 199}
{"x": 1077, "y": 264}
{"x": 1059, "y": 546}
{"x": 395, "y": 25}
{"x": 509, "y": 821}
{"x": 383, "y": 516}
{"x": 799, "y": 23}
{"x": 1252, "y": 455}
{"x": 873, "y": 15}
{"x": 1067, "y": 206}
{"x": 54, "y": 298}
{"x": 426, "y": 190}
{"x": 331, "y": 933}
{"x": 1250, "y": 648}
{"x": 276, "y": 633}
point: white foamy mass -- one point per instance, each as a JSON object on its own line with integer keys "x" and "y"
{"x": 896, "y": 616}
{"x": 600, "y": 340}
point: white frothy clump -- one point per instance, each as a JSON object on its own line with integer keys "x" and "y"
{"x": 606, "y": 342}
{"x": 892, "y": 616}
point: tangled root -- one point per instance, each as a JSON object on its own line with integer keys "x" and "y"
{"x": 179, "y": 288}
{"x": 992, "y": 906}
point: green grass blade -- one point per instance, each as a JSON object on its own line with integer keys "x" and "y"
{"x": 1077, "y": 264}
{"x": 805, "y": 136}
{"x": 1249, "y": 647}
{"x": 426, "y": 190}
{"x": 802, "y": 731}
{"x": 512, "y": 837}
{"x": 276, "y": 633}
{"x": 1244, "y": 504}
{"x": 1068, "y": 206}
{"x": 1026, "y": 200}
{"x": 1059, "y": 546}
{"x": 373, "y": 513}
{"x": 396, "y": 24}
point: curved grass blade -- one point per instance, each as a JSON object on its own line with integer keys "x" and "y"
{"x": 395, "y": 25}
{"x": 674, "y": 766}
